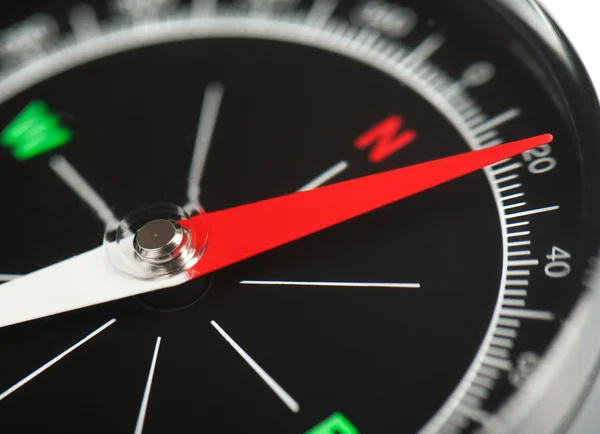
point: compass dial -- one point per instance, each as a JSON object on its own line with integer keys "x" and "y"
{"x": 149, "y": 123}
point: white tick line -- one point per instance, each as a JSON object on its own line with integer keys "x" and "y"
{"x": 139, "y": 426}
{"x": 517, "y": 224}
{"x": 514, "y": 205}
{"x": 329, "y": 174}
{"x": 527, "y": 314}
{"x": 518, "y": 273}
{"x": 84, "y": 22}
{"x": 340, "y": 284}
{"x": 523, "y": 263}
{"x": 513, "y": 302}
{"x": 497, "y": 362}
{"x": 282, "y": 394}
{"x": 498, "y": 352}
{"x": 422, "y": 51}
{"x": 80, "y": 186}
{"x": 519, "y": 243}
{"x": 513, "y": 196}
{"x": 509, "y": 187}
{"x": 505, "y": 169}
{"x": 515, "y": 293}
{"x": 473, "y": 413}
{"x": 520, "y": 253}
{"x": 213, "y": 95}
{"x": 509, "y": 322}
{"x": 497, "y": 121}
{"x": 517, "y": 282}
{"x": 9, "y": 277}
{"x": 491, "y": 372}
{"x": 506, "y": 178}
{"x": 473, "y": 111}
{"x": 489, "y": 136}
{"x": 518, "y": 234}
{"x": 55, "y": 360}
{"x": 321, "y": 11}
{"x": 531, "y": 212}
{"x": 491, "y": 143}
{"x": 501, "y": 162}
{"x": 502, "y": 342}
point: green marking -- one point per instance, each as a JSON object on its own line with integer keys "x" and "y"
{"x": 334, "y": 424}
{"x": 34, "y": 131}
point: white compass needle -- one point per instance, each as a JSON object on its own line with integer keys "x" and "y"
{"x": 81, "y": 281}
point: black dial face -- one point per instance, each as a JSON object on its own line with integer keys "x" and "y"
{"x": 421, "y": 316}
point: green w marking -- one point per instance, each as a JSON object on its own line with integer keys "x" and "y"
{"x": 34, "y": 131}
{"x": 334, "y": 424}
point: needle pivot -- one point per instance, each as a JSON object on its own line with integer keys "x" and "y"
{"x": 159, "y": 241}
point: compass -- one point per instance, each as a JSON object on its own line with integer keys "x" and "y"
{"x": 286, "y": 216}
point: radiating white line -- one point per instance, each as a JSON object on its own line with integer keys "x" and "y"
{"x": 329, "y": 174}
{"x": 139, "y": 426}
{"x": 84, "y": 22}
{"x": 80, "y": 186}
{"x": 424, "y": 50}
{"x": 531, "y": 212}
{"x": 213, "y": 95}
{"x": 321, "y": 11}
{"x": 497, "y": 121}
{"x": 528, "y": 314}
{"x": 343, "y": 284}
{"x": 9, "y": 277}
{"x": 282, "y": 394}
{"x": 510, "y": 167}
{"x": 55, "y": 360}
{"x": 515, "y": 293}
{"x": 204, "y": 7}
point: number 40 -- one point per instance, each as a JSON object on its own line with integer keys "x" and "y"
{"x": 558, "y": 267}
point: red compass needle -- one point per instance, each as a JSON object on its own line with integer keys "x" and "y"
{"x": 241, "y": 232}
